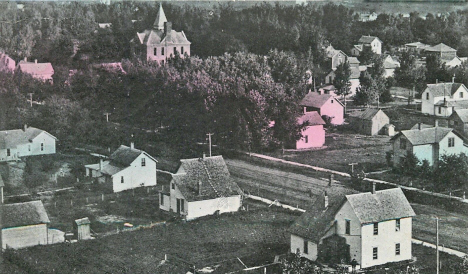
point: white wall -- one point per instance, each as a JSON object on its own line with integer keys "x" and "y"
{"x": 166, "y": 204}
{"x": 24, "y": 236}
{"x": 456, "y": 149}
{"x": 297, "y": 243}
{"x": 136, "y": 175}
{"x": 315, "y": 137}
{"x": 198, "y": 209}
{"x": 31, "y": 149}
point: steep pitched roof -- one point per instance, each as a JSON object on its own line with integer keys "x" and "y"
{"x": 388, "y": 204}
{"x": 358, "y": 47}
{"x": 23, "y": 214}
{"x": 312, "y": 118}
{"x": 353, "y": 61}
{"x": 315, "y": 100}
{"x": 367, "y": 114}
{"x": 440, "y": 89}
{"x": 13, "y": 138}
{"x": 210, "y": 173}
{"x": 367, "y": 39}
{"x": 36, "y": 68}
{"x": 440, "y": 48}
{"x": 158, "y": 37}
{"x": 462, "y": 113}
{"x": 424, "y": 136}
{"x": 456, "y": 104}
{"x": 160, "y": 19}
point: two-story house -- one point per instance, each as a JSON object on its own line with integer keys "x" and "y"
{"x": 326, "y": 105}
{"x": 313, "y": 133}
{"x": 367, "y": 41}
{"x": 161, "y": 42}
{"x": 126, "y": 168}
{"x": 201, "y": 187}
{"x": 427, "y": 144}
{"x": 371, "y": 228}
{"x": 441, "y": 99}
{"x": 459, "y": 121}
{"x": 444, "y": 52}
{"x": 28, "y": 141}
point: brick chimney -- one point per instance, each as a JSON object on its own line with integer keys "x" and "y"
{"x": 132, "y": 145}
{"x": 168, "y": 30}
{"x": 419, "y": 126}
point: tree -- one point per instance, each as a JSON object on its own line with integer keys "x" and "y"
{"x": 341, "y": 81}
{"x": 409, "y": 164}
{"x": 367, "y": 55}
{"x": 373, "y": 85}
{"x": 451, "y": 172}
{"x": 295, "y": 264}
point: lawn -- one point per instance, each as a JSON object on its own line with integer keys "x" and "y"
{"x": 254, "y": 236}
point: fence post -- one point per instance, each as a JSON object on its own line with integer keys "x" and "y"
{"x": 71, "y": 202}
{"x": 87, "y": 201}
{"x": 102, "y": 197}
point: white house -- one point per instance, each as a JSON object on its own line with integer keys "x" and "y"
{"x": 201, "y": 187}
{"x": 427, "y": 143}
{"x": 29, "y": 141}
{"x": 24, "y": 224}
{"x": 390, "y": 64}
{"x": 126, "y": 168}
{"x": 313, "y": 133}
{"x": 325, "y": 105}
{"x": 367, "y": 41}
{"x": 442, "y": 98}
{"x": 371, "y": 228}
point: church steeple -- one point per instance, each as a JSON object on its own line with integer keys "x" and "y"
{"x": 160, "y": 19}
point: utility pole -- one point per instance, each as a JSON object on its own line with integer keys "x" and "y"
{"x": 352, "y": 167}
{"x": 30, "y": 98}
{"x": 437, "y": 244}
{"x": 209, "y": 141}
{"x": 107, "y": 116}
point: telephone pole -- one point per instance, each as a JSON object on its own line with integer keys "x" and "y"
{"x": 107, "y": 116}
{"x": 437, "y": 244}
{"x": 30, "y": 98}
{"x": 209, "y": 140}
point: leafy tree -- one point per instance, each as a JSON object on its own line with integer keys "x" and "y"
{"x": 295, "y": 264}
{"x": 451, "y": 171}
{"x": 367, "y": 56}
{"x": 341, "y": 81}
{"x": 373, "y": 85}
{"x": 409, "y": 164}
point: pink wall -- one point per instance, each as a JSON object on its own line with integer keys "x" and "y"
{"x": 315, "y": 137}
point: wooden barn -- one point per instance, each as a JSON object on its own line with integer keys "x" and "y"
{"x": 24, "y": 224}
{"x": 369, "y": 122}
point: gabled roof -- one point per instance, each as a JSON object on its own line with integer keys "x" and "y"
{"x": 440, "y": 89}
{"x": 13, "y": 138}
{"x": 456, "y": 104}
{"x": 83, "y": 221}
{"x": 158, "y": 37}
{"x": 367, "y": 114}
{"x": 353, "y": 61}
{"x": 440, "y": 48}
{"x": 34, "y": 68}
{"x": 315, "y": 100}
{"x": 125, "y": 155}
{"x": 330, "y": 51}
{"x": 417, "y": 45}
{"x": 368, "y": 39}
{"x": 384, "y": 205}
{"x": 24, "y": 214}
{"x": 160, "y": 19}
{"x": 424, "y": 136}
{"x": 312, "y": 118}
{"x": 462, "y": 113}
{"x": 358, "y": 47}
{"x": 211, "y": 173}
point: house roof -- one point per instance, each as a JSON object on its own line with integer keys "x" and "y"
{"x": 158, "y": 37}
{"x": 440, "y": 48}
{"x": 210, "y": 173}
{"x": 34, "y": 68}
{"x": 367, "y": 114}
{"x": 365, "y": 39}
{"x": 313, "y": 99}
{"x": 13, "y": 138}
{"x": 422, "y": 125}
{"x": 440, "y": 89}
{"x": 23, "y": 214}
{"x": 424, "y": 136}
{"x": 460, "y": 104}
{"x": 355, "y": 72}
{"x": 125, "y": 155}
{"x": 358, "y": 47}
{"x": 330, "y": 51}
{"x": 83, "y": 221}
{"x": 462, "y": 113}
{"x": 417, "y": 45}
{"x": 353, "y": 61}
{"x": 384, "y": 205}
{"x": 312, "y": 118}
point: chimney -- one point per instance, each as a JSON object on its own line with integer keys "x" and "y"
{"x": 35, "y": 61}
{"x": 101, "y": 163}
{"x": 453, "y": 79}
{"x": 199, "y": 187}
{"x": 373, "y": 187}
{"x": 419, "y": 126}
{"x": 436, "y": 123}
{"x": 132, "y": 145}
{"x": 25, "y": 127}
{"x": 437, "y": 81}
{"x": 325, "y": 196}
{"x": 168, "y": 30}
{"x": 25, "y": 59}
{"x": 204, "y": 155}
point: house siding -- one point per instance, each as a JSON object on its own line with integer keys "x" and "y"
{"x": 354, "y": 238}
{"x": 297, "y": 243}
{"x": 458, "y": 148}
{"x": 425, "y": 152}
{"x": 456, "y": 123}
{"x": 24, "y": 236}
{"x": 315, "y": 137}
{"x": 31, "y": 149}
{"x": 168, "y": 51}
{"x": 428, "y": 107}
{"x": 331, "y": 108}
{"x": 136, "y": 175}
{"x": 198, "y": 209}
{"x": 166, "y": 205}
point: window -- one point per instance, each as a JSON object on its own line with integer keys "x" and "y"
{"x": 161, "y": 199}
{"x": 374, "y": 253}
{"x": 451, "y": 142}
{"x": 175, "y": 50}
{"x": 461, "y": 94}
{"x": 440, "y": 110}
{"x": 402, "y": 143}
{"x": 42, "y": 146}
{"x": 397, "y": 249}
{"x": 306, "y": 247}
{"x": 181, "y": 50}
{"x": 427, "y": 96}
{"x": 306, "y": 139}
{"x": 332, "y": 101}
{"x": 155, "y": 51}
{"x": 376, "y": 228}
{"x": 122, "y": 179}
{"x": 29, "y": 147}
{"x": 143, "y": 161}
{"x": 397, "y": 225}
{"x": 8, "y": 152}
{"x": 182, "y": 204}
{"x": 162, "y": 51}
{"x": 173, "y": 186}
{"x": 348, "y": 227}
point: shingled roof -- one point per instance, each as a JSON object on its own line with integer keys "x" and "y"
{"x": 367, "y": 114}
{"x": 440, "y": 48}
{"x": 315, "y": 100}
{"x": 34, "y": 68}
{"x": 425, "y": 136}
{"x": 23, "y": 214}
{"x": 367, "y": 39}
{"x": 13, "y": 138}
{"x": 312, "y": 118}
{"x": 440, "y": 89}
{"x": 462, "y": 113}
{"x": 158, "y": 37}
{"x": 209, "y": 173}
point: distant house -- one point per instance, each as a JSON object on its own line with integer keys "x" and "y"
{"x": 416, "y": 47}
{"x": 371, "y": 228}
{"x": 39, "y": 71}
{"x": 7, "y": 63}
{"x": 442, "y": 98}
{"x": 126, "y": 168}
{"x": 353, "y": 79}
{"x": 455, "y": 62}
{"x": 367, "y": 41}
{"x": 29, "y": 141}
{"x": 326, "y": 105}
{"x": 24, "y": 224}
{"x": 427, "y": 144}
{"x": 441, "y": 50}
{"x": 326, "y": 89}
{"x": 336, "y": 57}
{"x": 459, "y": 121}
{"x": 390, "y": 64}
{"x": 313, "y": 135}
{"x": 161, "y": 42}
{"x": 367, "y": 17}
{"x": 201, "y": 187}
{"x": 369, "y": 122}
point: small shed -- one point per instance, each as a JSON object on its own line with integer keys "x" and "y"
{"x": 82, "y": 229}
{"x": 389, "y": 130}
{"x": 369, "y": 122}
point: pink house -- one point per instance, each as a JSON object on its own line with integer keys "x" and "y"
{"x": 39, "y": 71}
{"x": 325, "y": 105}
{"x": 6, "y": 63}
{"x": 313, "y": 134}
